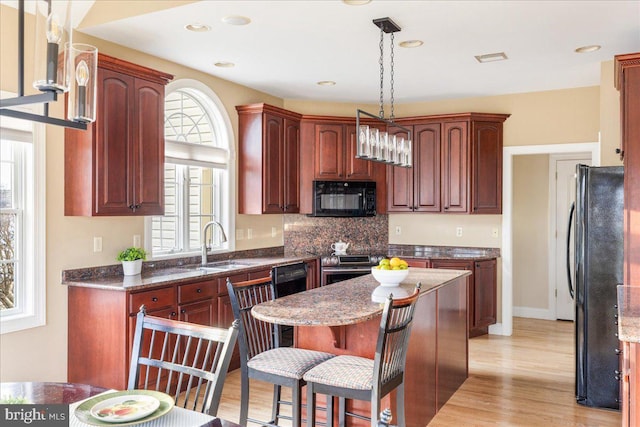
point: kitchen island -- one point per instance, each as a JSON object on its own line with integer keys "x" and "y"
{"x": 342, "y": 319}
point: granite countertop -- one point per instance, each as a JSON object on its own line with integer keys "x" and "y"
{"x": 629, "y": 313}
{"x": 174, "y": 275}
{"x": 347, "y": 302}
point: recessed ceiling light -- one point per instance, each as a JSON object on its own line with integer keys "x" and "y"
{"x": 326, "y": 83}
{"x": 491, "y": 57}
{"x": 223, "y": 64}
{"x": 356, "y": 2}
{"x": 411, "y": 43}
{"x": 589, "y": 48}
{"x": 236, "y": 20}
{"x": 197, "y": 27}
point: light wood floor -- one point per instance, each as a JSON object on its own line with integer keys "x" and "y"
{"x": 523, "y": 380}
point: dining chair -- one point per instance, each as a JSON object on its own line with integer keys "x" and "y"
{"x": 262, "y": 358}
{"x": 185, "y": 360}
{"x": 361, "y": 378}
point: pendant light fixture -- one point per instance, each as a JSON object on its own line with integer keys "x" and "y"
{"x": 376, "y": 144}
{"x": 60, "y": 66}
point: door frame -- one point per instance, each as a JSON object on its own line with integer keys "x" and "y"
{"x": 505, "y": 327}
{"x": 553, "y": 226}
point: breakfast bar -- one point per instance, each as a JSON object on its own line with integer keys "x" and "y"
{"x": 342, "y": 319}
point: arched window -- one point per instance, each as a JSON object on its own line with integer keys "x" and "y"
{"x": 198, "y": 164}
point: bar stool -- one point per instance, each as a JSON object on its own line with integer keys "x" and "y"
{"x": 261, "y": 357}
{"x": 360, "y": 378}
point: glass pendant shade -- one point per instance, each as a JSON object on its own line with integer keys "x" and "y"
{"x": 83, "y": 64}
{"x": 52, "y": 34}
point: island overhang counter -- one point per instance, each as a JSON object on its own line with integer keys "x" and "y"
{"x": 341, "y": 319}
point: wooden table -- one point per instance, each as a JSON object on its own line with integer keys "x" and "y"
{"x": 68, "y": 393}
{"x": 341, "y": 319}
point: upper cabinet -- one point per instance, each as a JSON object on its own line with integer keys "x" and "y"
{"x": 457, "y": 165}
{"x": 269, "y": 151}
{"x": 116, "y": 166}
{"x": 328, "y": 153}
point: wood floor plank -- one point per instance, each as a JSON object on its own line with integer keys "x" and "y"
{"x": 523, "y": 380}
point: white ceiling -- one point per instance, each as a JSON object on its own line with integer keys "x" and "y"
{"x": 292, "y": 44}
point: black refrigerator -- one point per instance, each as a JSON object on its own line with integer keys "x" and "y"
{"x": 598, "y": 264}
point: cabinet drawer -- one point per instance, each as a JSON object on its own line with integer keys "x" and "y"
{"x": 196, "y": 291}
{"x": 222, "y": 282}
{"x": 154, "y": 299}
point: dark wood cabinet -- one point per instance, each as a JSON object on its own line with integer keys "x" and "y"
{"x": 269, "y": 151}
{"x": 417, "y": 189}
{"x": 457, "y": 165}
{"x": 197, "y": 303}
{"x": 102, "y": 322}
{"x": 328, "y": 152}
{"x": 335, "y": 154}
{"x": 313, "y": 274}
{"x": 627, "y": 81}
{"x": 482, "y": 292}
{"x": 116, "y": 166}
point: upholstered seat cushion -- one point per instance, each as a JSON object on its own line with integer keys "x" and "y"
{"x": 287, "y": 362}
{"x": 343, "y": 371}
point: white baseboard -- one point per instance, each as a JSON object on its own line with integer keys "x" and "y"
{"x": 533, "y": 313}
{"x": 496, "y": 329}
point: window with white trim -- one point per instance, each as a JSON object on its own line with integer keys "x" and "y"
{"x": 22, "y": 225}
{"x": 197, "y": 169}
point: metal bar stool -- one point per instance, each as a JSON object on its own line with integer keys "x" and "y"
{"x": 261, "y": 357}
{"x": 360, "y": 378}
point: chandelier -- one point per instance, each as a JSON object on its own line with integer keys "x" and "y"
{"x": 60, "y": 66}
{"x": 374, "y": 143}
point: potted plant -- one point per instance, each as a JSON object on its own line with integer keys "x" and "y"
{"x": 132, "y": 260}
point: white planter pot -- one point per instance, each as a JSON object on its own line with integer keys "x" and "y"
{"x": 131, "y": 268}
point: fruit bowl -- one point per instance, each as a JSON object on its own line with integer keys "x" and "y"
{"x": 389, "y": 277}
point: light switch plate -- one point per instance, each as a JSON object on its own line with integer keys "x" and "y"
{"x": 97, "y": 244}
{"x": 458, "y": 231}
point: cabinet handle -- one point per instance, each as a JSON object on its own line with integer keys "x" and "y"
{"x": 173, "y": 314}
{"x": 446, "y": 208}
{"x": 199, "y": 290}
{"x": 618, "y": 151}
{"x": 154, "y": 299}
{"x": 618, "y": 351}
{"x": 183, "y": 311}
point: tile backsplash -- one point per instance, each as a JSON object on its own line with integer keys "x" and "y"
{"x": 314, "y": 235}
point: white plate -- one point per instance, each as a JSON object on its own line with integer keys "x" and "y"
{"x": 122, "y": 409}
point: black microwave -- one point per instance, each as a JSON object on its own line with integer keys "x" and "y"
{"x": 344, "y": 198}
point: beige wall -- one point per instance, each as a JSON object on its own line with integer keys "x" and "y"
{"x": 530, "y": 231}
{"x": 553, "y": 117}
{"x": 609, "y": 116}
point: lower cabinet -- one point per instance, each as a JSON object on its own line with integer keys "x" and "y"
{"x": 481, "y": 294}
{"x": 630, "y": 384}
{"x": 313, "y": 274}
{"x": 102, "y": 323}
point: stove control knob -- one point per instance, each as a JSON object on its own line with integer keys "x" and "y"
{"x": 329, "y": 260}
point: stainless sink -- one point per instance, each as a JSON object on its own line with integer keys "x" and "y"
{"x": 219, "y": 266}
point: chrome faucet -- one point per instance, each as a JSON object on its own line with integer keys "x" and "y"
{"x": 223, "y": 238}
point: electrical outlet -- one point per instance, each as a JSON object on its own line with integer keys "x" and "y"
{"x": 136, "y": 241}
{"x": 249, "y": 233}
{"x": 458, "y": 231}
{"x": 97, "y": 244}
{"x": 239, "y": 234}
{"x": 398, "y": 230}
{"x": 274, "y": 231}
{"x": 494, "y": 233}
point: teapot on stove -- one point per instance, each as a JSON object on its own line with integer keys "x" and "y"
{"x": 340, "y": 247}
